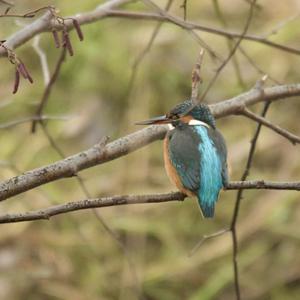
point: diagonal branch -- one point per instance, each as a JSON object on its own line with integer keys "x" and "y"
{"x": 96, "y": 155}
{"x": 44, "y": 24}
{"x": 232, "y": 52}
{"x": 231, "y": 106}
{"x": 69, "y": 166}
{"x": 195, "y": 26}
{"x": 33, "y": 118}
{"x": 294, "y": 139}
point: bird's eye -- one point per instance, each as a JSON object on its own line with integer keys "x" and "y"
{"x": 174, "y": 117}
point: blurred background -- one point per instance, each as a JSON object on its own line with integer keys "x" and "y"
{"x": 72, "y": 256}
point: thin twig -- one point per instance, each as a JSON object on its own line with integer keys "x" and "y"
{"x": 46, "y": 23}
{"x": 207, "y": 237}
{"x": 282, "y": 24}
{"x": 106, "y": 10}
{"x": 43, "y": 59}
{"x": 138, "y": 60}
{"x": 255, "y": 66}
{"x": 230, "y": 43}
{"x": 184, "y": 7}
{"x": 232, "y": 52}
{"x": 201, "y": 42}
{"x": 238, "y": 201}
{"x": 196, "y": 77}
{"x": 33, "y": 118}
{"x": 49, "y": 86}
{"x": 294, "y": 139}
{"x": 7, "y": 2}
{"x": 195, "y": 26}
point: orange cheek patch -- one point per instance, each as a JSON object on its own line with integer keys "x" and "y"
{"x": 186, "y": 119}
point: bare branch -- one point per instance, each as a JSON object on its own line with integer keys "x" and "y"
{"x": 294, "y": 139}
{"x": 208, "y": 237}
{"x": 106, "y": 10}
{"x": 263, "y": 185}
{"x": 122, "y": 146}
{"x": 201, "y": 42}
{"x": 196, "y": 77}
{"x": 45, "y": 23}
{"x": 48, "y": 88}
{"x": 255, "y": 66}
{"x": 33, "y": 118}
{"x": 194, "y": 26}
{"x": 253, "y": 96}
{"x": 138, "y": 60}
{"x": 232, "y": 52}
{"x": 47, "y": 213}
{"x": 71, "y": 165}
{"x": 7, "y": 2}
{"x": 230, "y": 43}
{"x": 184, "y": 7}
{"x": 43, "y": 59}
{"x": 259, "y": 87}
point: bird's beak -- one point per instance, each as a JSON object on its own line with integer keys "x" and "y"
{"x": 157, "y": 120}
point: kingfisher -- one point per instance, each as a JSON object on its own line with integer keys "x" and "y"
{"x": 195, "y": 153}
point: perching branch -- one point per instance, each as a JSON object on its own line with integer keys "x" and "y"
{"x": 122, "y": 146}
{"x": 47, "y": 213}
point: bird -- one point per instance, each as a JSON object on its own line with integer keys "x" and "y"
{"x": 195, "y": 153}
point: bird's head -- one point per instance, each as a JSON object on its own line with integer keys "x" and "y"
{"x": 185, "y": 112}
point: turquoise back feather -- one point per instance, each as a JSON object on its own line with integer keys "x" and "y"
{"x": 210, "y": 173}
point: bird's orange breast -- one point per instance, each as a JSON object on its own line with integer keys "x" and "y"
{"x": 171, "y": 171}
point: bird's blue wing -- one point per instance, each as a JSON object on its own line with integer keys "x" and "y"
{"x": 184, "y": 155}
{"x": 199, "y": 155}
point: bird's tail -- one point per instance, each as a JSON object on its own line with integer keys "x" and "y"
{"x": 207, "y": 209}
{"x": 207, "y": 204}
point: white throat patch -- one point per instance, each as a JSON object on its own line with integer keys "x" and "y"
{"x": 170, "y": 126}
{"x": 197, "y": 123}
